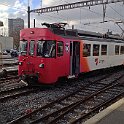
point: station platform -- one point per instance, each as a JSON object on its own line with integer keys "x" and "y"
{"x": 11, "y": 68}
{"x": 114, "y": 114}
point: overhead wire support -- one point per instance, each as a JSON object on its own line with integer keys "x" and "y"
{"x": 104, "y": 11}
{"x": 28, "y": 16}
{"x": 74, "y": 5}
{"x": 118, "y": 22}
{"x": 67, "y": 6}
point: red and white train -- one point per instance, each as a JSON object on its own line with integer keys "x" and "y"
{"x": 48, "y": 54}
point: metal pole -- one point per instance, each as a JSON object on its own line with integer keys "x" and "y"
{"x": 104, "y": 11}
{"x": 34, "y": 23}
{"x": 28, "y": 16}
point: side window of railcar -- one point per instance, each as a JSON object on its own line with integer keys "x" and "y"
{"x": 96, "y": 50}
{"x": 122, "y": 50}
{"x": 49, "y": 49}
{"x": 46, "y": 49}
{"x": 60, "y": 48}
{"x": 116, "y": 49}
{"x": 86, "y": 50}
{"x": 31, "y": 50}
{"x": 103, "y": 49}
{"x": 40, "y": 48}
{"x": 23, "y": 47}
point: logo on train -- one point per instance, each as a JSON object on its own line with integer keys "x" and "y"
{"x": 97, "y": 61}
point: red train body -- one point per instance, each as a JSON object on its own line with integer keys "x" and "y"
{"x": 50, "y": 53}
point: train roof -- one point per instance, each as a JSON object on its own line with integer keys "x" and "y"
{"x": 58, "y": 28}
{"x": 87, "y": 35}
{"x": 81, "y": 34}
{"x": 99, "y": 35}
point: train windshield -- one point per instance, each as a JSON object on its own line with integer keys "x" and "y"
{"x": 46, "y": 49}
{"x": 23, "y": 47}
{"x": 31, "y": 50}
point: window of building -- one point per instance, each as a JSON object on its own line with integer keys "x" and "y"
{"x": 116, "y": 49}
{"x": 103, "y": 49}
{"x": 86, "y": 50}
{"x": 96, "y": 50}
{"x": 60, "y": 48}
{"x": 31, "y": 50}
{"x": 122, "y": 50}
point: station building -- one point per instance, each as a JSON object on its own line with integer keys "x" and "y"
{"x": 6, "y": 43}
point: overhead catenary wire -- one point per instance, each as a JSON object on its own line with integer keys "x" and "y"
{"x": 103, "y": 28}
{"x": 66, "y": 18}
{"x": 51, "y": 16}
{"x": 112, "y": 19}
{"x": 68, "y": 2}
{"x": 97, "y": 14}
{"x": 116, "y": 11}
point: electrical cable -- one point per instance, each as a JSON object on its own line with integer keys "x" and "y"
{"x": 115, "y": 11}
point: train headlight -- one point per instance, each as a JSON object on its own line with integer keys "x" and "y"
{"x": 41, "y": 65}
{"x": 20, "y": 63}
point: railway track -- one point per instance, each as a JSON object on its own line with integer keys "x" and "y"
{"x": 10, "y": 83}
{"x": 15, "y": 92}
{"x": 7, "y": 74}
{"x": 78, "y": 105}
{"x": 9, "y": 64}
{"x": 9, "y": 77}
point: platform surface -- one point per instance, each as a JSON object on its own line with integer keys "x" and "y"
{"x": 114, "y": 114}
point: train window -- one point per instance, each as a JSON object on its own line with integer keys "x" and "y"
{"x": 23, "y": 47}
{"x": 86, "y": 50}
{"x": 122, "y": 50}
{"x": 116, "y": 49}
{"x": 96, "y": 50}
{"x": 46, "y": 49}
{"x": 31, "y": 50}
{"x": 60, "y": 48}
{"x": 103, "y": 49}
{"x": 40, "y": 48}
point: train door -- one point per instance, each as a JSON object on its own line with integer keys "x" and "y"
{"x": 74, "y": 58}
{"x": 30, "y": 60}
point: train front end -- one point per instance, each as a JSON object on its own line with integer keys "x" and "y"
{"x": 37, "y": 56}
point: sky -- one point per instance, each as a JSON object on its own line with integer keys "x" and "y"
{"x": 82, "y": 18}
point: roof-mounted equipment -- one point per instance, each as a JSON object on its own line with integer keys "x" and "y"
{"x": 55, "y": 25}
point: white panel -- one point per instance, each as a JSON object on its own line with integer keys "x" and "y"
{"x": 6, "y": 43}
{"x": 104, "y": 61}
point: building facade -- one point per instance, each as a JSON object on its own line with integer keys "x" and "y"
{"x": 6, "y": 43}
{"x": 14, "y": 27}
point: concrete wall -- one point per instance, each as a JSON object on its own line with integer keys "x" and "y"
{"x": 6, "y": 43}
